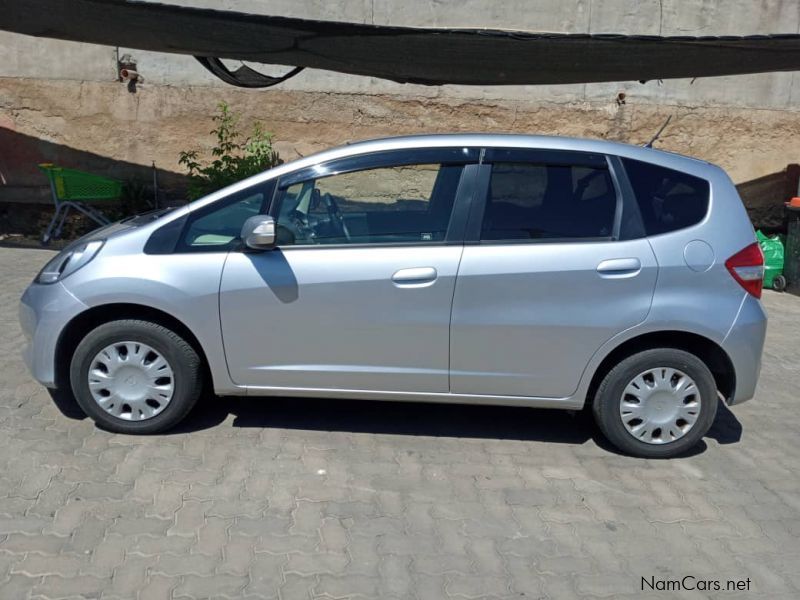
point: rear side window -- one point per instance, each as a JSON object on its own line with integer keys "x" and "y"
{"x": 668, "y": 200}
{"x": 541, "y": 201}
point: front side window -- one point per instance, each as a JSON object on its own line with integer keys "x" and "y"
{"x": 542, "y": 201}
{"x": 218, "y": 226}
{"x": 385, "y": 205}
{"x": 668, "y": 200}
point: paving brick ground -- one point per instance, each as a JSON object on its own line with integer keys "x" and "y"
{"x": 330, "y": 499}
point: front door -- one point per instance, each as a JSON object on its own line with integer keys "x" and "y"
{"x": 549, "y": 278}
{"x": 357, "y": 296}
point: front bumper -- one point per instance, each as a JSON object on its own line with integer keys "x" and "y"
{"x": 44, "y": 311}
{"x": 744, "y": 344}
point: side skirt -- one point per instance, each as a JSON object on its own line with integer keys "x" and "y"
{"x": 568, "y": 403}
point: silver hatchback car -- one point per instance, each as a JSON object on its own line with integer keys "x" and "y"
{"x": 490, "y": 269}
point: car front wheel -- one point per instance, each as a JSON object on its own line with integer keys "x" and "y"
{"x": 134, "y": 376}
{"x": 657, "y": 403}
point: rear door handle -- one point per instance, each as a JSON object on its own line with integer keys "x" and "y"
{"x": 416, "y": 277}
{"x": 617, "y": 268}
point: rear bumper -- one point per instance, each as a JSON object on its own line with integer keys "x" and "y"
{"x": 744, "y": 344}
{"x": 44, "y": 311}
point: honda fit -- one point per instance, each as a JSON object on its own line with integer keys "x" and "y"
{"x": 488, "y": 269}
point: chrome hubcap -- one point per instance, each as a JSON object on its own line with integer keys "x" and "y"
{"x": 131, "y": 381}
{"x": 660, "y": 405}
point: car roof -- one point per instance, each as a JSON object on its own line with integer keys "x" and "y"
{"x": 492, "y": 140}
{"x": 487, "y": 140}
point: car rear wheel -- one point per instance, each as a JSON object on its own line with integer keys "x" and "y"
{"x": 134, "y": 376}
{"x": 656, "y": 404}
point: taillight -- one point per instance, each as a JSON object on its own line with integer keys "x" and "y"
{"x": 747, "y": 267}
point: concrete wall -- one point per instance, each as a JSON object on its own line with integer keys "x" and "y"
{"x": 60, "y": 100}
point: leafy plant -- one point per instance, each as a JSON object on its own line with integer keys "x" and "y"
{"x": 234, "y": 156}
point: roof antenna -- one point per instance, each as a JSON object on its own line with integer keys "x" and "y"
{"x": 658, "y": 133}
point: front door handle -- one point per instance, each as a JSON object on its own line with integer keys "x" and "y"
{"x": 617, "y": 268}
{"x": 416, "y": 277}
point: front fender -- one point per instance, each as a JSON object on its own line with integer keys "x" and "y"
{"x": 184, "y": 286}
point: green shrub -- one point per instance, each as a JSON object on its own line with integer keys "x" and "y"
{"x": 234, "y": 157}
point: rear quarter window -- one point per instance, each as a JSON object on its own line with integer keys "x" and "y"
{"x": 668, "y": 200}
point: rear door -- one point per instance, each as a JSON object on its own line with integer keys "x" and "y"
{"x": 555, "y": 265}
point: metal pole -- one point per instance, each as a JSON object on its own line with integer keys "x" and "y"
{"x": 791, "y": 268}
{"x": 155, "y": 185}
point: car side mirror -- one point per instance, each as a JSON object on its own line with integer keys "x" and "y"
{"x": 258, "y": 232}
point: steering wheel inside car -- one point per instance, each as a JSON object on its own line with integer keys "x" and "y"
{"x": 337, "y": 220}
{"x": 299, "y": 226}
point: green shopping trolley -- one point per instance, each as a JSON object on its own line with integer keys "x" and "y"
{"x": 72, "y": 189}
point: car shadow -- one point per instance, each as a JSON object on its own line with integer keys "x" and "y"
{"x": 65, "y": 402}
{"x": 726, "y": 428}
{"x": 425, "y": 419}
{"x": 408, "y": 418}
{"x": 396, "y": 418}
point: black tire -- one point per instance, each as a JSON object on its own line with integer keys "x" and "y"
{"x": 779, "y": 283}
{"x": 607, "y": 401}
{"x": 186, "y": 367}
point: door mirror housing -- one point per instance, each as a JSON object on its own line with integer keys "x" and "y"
{"x": 258, "y": 232}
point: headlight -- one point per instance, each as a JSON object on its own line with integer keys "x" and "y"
{"x": 68, "y": 261}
